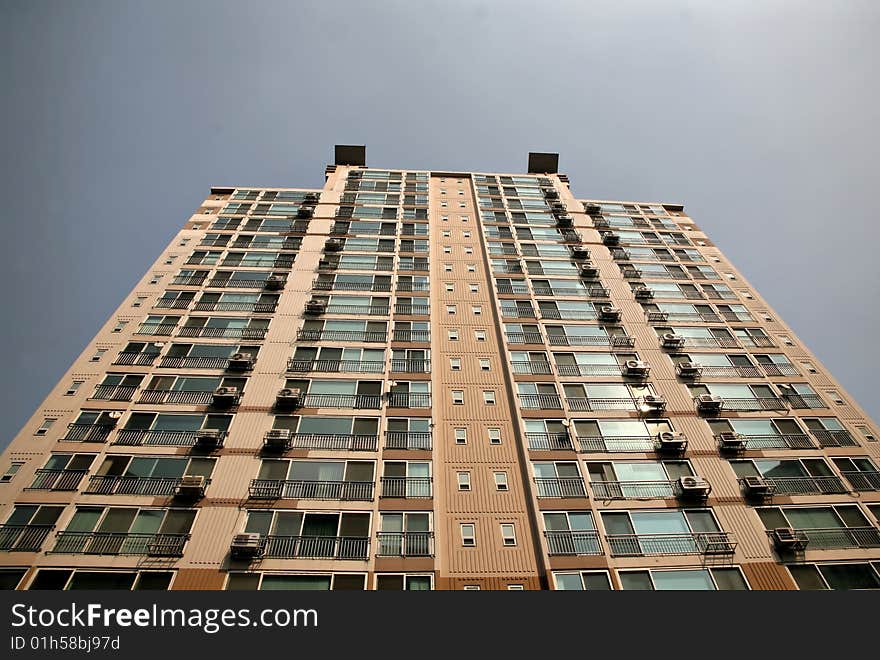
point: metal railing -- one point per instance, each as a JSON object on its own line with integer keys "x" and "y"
{"x": 584, "y": 542}
{"x": 405, "y": 544}
{"x": 114, "y": 392}
{"x": 568, "y": 314}
{"x": 807, "y": 485}
{"x": 863, "y": 480}
{"x": 408, "y": 309}
{"x": 413, "y": 487}
{"x": 756, "y": 342}
{"x": 622, "y": 490}
{"x": 833, "y": 538}
{"x": 334, "y": 441}
{"x": 120, "y": 543}
{"x": 352, "y": 366}
{"x": 414, "y": 366}
{"x": 754, "y": 403}
{"x": 524, "y": 338}
{"x": 158, "y": 437}
{"x": 46, "y": 479}
{"x": 316, "y": 547}
{"x": 836, "y": 438}
{"x": 511, "y": 289}
{"x": 560, "y": 487}
{"x": 548, "y": 441}
{"x": 235, "y": 283}
{"x": 585, "y": 404}
{"x": 88, "y": 432}
{"x": 175, "y": 303}
{"x": 540, "y": 401}
{"x": 190, "y": 280}
{"x": 531, "y": 367}
{"x": 612, "y": 444}
{"x": 322, "y": 285}
{"x": 408, "y": 440}
{"x": 158, "y": 329}
{"x": 721, "y": 371}
{"x": 696, "y": 317}
{"x": 23, "y": 538}
{"x": 409, "y": 400}
{"x": 780, "y": 369}
{"x": 413, "y": 286}
{"x": 341, "y": 335}
{"x": 297, "y": 489}
{"x": 128, "y": 485}
{"x": 803, "y": 401}
{"x": 518, "y": 312}
{"x": 182, "y": 362}
{"x": 139, "y": 359}
{"x": 221, "y": 306}
{"x": 590, "y": 369}
{"x": 700, "y": 543}
{"x": 709, "y": 342}
{"x": 411, "y": 335}
{"x": 360, "y": 310}
{"x": 591, "y": 340}
{"x": 185, "y": 397}
{"x": 229, "y": 333}
{"x": 775, "y": 441}
{"x": 370, "y": 401}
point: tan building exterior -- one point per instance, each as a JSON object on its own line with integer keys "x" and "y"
{"x": 442, "y": 380}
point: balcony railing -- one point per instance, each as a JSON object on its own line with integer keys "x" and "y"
{"x": 807, "y": 485}
{"x": 775, "y": 441}
{"x": 588, "y": 291}
{"x": 408, "y": 440}
{"x": 585, "y": 542}
{"x": 863, "y": 481}
{"x": 548, "y": 441}
{"x": 157, "y": 329}
{"x": 335, "y": 441}
{"x": 803, "y": 401}
{"x": 139, "y": 359}
{"x": 235, "y": 283}
{"x": 129, "y": 485}
{"x": 341, "y": 335}
{"x": 316, "y": 547}
{"x": 158, "y": 437}
{"x": 512, "y": 289}
{"x": 411, "y": 335}
{"x": 359, "y": 310}
{"x": 590, "y": 369}
{"x": 407, "y": 309}
{"x": 46, "y": 479}
{"x": 701, "y": 543}
{"x": 413, "y": 286}
{"x": 582, "y": 404}
{"x": 754, "y": 403}
{"x": 274, "y": 489}
{"x": 180, "y": 362}
{"x": 723, "y": 371}
{"x": 369, "y": 401}
{"x": 529, "y": 367}
{"x": 518, "y": 312}
{"x": 405, "y": 544}
{"x": 840, "y": 537}
{"x": 351, "y": 366}
{"x": 229, "y": 333}
{"x": 88, "y": 432}
{"x": 612, "y": 444}
{"x": 322, "y": 285}
{"x": 120, "y": 543}
{"x": 413, "y": 366}
{"x": 780, "y": 370}
{"x": 409, "y": 400}
{"x": 756, "y": 342}
{"x": 591, "y": 340}
{"x": 114, "y": 392}
{"x": 413, "y": 487}
{"x": 568, "y": 314}
{"x": 189, "y": 280}
{"x": 540, "y": 401}
{"x": 23, "y": 538}
{"x": 560, "y": 487}
{"x": 524, "y": 338}
{"x": 223, "y": 306}
{"x": 695, "y": 317}
{"x": 165, "y": 303}
{"x": 836, "y": 438}
{"x": 710, "y": 342}
{"x": 622, "y": 490}
{"x": 185, "y": 397}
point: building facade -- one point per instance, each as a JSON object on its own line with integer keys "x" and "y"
{"x": 442, "y": 380}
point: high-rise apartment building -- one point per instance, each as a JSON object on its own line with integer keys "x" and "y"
{"x": 442, "y": 380}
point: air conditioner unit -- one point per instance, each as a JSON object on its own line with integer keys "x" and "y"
{"x": 225, "y": 396}
{"x": 731, "y": 442}
{"x": 209, "y": 439}
{"x": 670, "y": 442}
{"x": 611, "y": 238}
{"x": 246, "y": 546}
{"x": 653, "y": 403}
{"x": 579, "y": 252}
{"x": 695, "y": 488}
{"x": 241, "y": 361}
{"x": 288, "y": 398}
{"x": 191, "y": 486}
{"x": 688, "y": 369}
{"x": 327, "y": 264}
{"x": 636, "y": 368}
{"x": 643, "y": 293}
{"x": 274, "y": 282}
{"x": 757, "y": 487}
{"x": 333, "y": 245}
{"x": 315, "y": 307}
{"x": 672, "y": 340}
{"x": 609, "y": 313}
{"x": 558, "y": 207}
{"x": 305, "y": 212}
{"x": 551, "y": 193}
{"x": 564, "y": 221}
{"x": 589, "y": 271}
{"x": 592, "y": 209}
{"x": 277, "y": 439}
{"x": 709, "y": 403}
{"x": 787, "y": 539}
{"x": 310, "y": 199}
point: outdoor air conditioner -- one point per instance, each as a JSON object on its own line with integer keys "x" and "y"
{"x": 653, "y": 403}
{"x": 609, "y": 313}
{"x": 316, "y": 307}
{"x": 672, "y": 340}
{"x": 305, "y": 212}
{"x": 589, "y": 271}
{"x": 731, "y": 442}
{"x": 551, "y": 193}
{"x": 757, "y": 487}
{"x": 558, "y": 207}
{"x": 246, "y": 546}
{"x": 636, "y": 368}
{"x": 564, "y": 221}
{"x": 688, "y": 369}
{"x": 241, "y": 361}
{"x": 208, "y": 439}
{"x": 327, "y": 264}
{"x": 333, "y": 245}
{"x": 787, "y": 539}
{"x": 670, "y": 442}
{"x": 695, "y": 488}
{"x": 277, "y": 439}
{"x": 274, "y": 282}
{"x": 288, "y": 397}
{"x": 310, "y": 199}
{"x": 610, "y": 238}
{"x": 643, "y": 293}
{"x": 191, "y": 486}
{"x": 592, "y": 209}
{"x": 579, "y": 252}
{"x": 709, "y": 403}
{"x": 225, "y": 396}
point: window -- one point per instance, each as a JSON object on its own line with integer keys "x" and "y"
{"x": 475, "y": 288}
{"x": 452, "y": 334}
{"x": 14, "y": 467}
{"x": 99, "y": 353}
{"x": 403, "y": 582}
{"x": 865, "y": 431}
{"x": 494, "y": 436}
{"x": 140, "y": 299}
{"x": 447, "y": 268}
{"x": 471, "y": 587}
{"x": 447, "y": 249}
{"x": 458, "y": 397}
{"x": 691, "y": 579}
{"x": 834, "y": 395}
{"x": 468, "y": 535}
{"x": 45, "y": 426}
{"x": 476, "y": 309}
{"x": 455, "y": 364}
{"x": 861, "y": 575}
{"x": 480, "y": 335}
{"x": 68, "y": 579}
{"x": 489, "y": 397}
{"x": 460, "y": 436}
{"x": 119, "y": 326}
{"x": 484, "y": 364}
{"x": 444, "y": 204}
{"x": 469, "y": 250}
{"x": 451, "y": 309}
{"x": 444, "y": 218}
{"x": 446, "y": 233}
{"x": 464, "y": 480}
{"x": 450, "y": 286}
{"x": 472, "y": 268}
{"x": 501, "y": 481}
{"x": 74, "y": 386}
{"x": 583, "y": 581}
{"x": 508, "y": 534}
{"x": 809, "y": 367}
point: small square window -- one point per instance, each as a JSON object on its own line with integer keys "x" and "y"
{"x": 452, "y": 335}
{"x": 508, "y": 534}
{"x": 515, "y": 587}
{"x": 119, "y": 326}
{"x": 809, "y": 367}
{"x": 45, "y": 426}
{"x": 449, "y": 286}
{"x": 444, "y": 204}
{"x": 730, "y": 276}
{"x": 494, "y": 436}
{"x": 485, "y": 364}
{"x": 446, "y": 233}
{"x": 447, "y": 249}
{"x": 458, "y": 397}
{"x": 834, "y": 395}
{"x": 480, "y": 335}
{"x": 865, "y": 431}
{"x": 501, "y": 481}
{"x": 184, "y": 241}
{"x": 451, "y": 309}
{"x": 475, "y": 288}
{"x": 468, "y": 535}
{"x": 455, "y": 364}
{"x": 447, "y": 268}
{"x": 469, "y": 250}
{"x": 747, "y": 295}
{"x": 461, "y": 192}
{"x": 74, "y": 386}
{"x": 464, "y": 480}
{"x": 138, "y": 301}
{"x": 785, "y": 339}
{"x": 489, "y": 397}
{"x": 444, "y": 218}
{"x": 7, "y": 476}
{"x": 99, "y": 353}
{"x": 442, "y": 191}
{"x": 471, "y": 587}
{"x": 466, "y": 234}
{"x": 476, "y": 310}
{"x": 472, "y": 268}
{"x": 462, "y": 205}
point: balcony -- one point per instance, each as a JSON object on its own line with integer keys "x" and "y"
{"x": 531, "y": 367}
{"x": 834, "y": 438}
{"x": 23, "y": 538}
{"x": 624, "y": 490}
{"x": 184, "y": 397}
{"x": 341, "y": 335}
{"x": 88, "y": 432}
{"x": 335, "y": 366}
{"x": 359, "y": 310}
{"x": 803, "y": 401}
{"x": 549, "y": 441}
{"x": 560, "y": 487}
{"x": 138, "y": 359}
{"x": 158, "y": 329}
{"x": 114, "y": 392}
{"x": 412, "y": 487}
{"x": 719, "y": 295}
{"x": 756, "y": 342}
{"x": 407, "y": 309}
{"x": 774, "y": 441}
{"x": 568, "y": 314}
{"x": 158, "y": 437}
{"x": 540, "y": 401}
{"x": 227, "y": 333}
{"x": 584, "y": 404}
{"x": 524, "y": 338}
{"x": 363, "y": 401}
{"x": 709, "y": 342}
{"x": 591, "y": 340}
{"x": 691, "y": 317}
{"x": 411, "y": 335}
{"x": 235, "y": 283}
{"x": 124, "y": 485}
{"x": 590, "y": 369}
{"x": 409, "y": 400}
{"x": 413, "y": 286}
{"x": 120, "y": 543}
{"x": 408, "y": 440}
{"x": 518, "y": 312}
{"x": 754, "y": 403}
{"x": 315, "y": 547}
{"x": 45, "y": 479}
{"x": 321, "y": 285}
{"x": 839, "y": 537}
{"x": 572, "y": 543}
{"x": 411, "y": 366}
{"x": 780, "y": 370}
{"x": 612, "y": 444}
{"x": 701, "y": 543}
{"x": 807, "y": 485}
{"x": 512, "y": 289}
{"x": 280, "y": 263}
{"x": 588, "y": 291}
{"x": 274, "y": 489}
{"x": 168, "y": 362}
{"x": 172, "y": 304}
{"x": 405, "y": 544}
{"x": 863, "y": 481}
{"x": 246, "y": 243}
{"x": 723, "y": 371}
{"x": 334, "y": 441}
{"x": 190, "y": 280}
{"x": 250, "y": 307}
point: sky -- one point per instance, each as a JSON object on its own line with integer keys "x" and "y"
{"x": 117, "y": 117}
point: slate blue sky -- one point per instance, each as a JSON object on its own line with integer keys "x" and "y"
{"x": 118, "y": 116}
